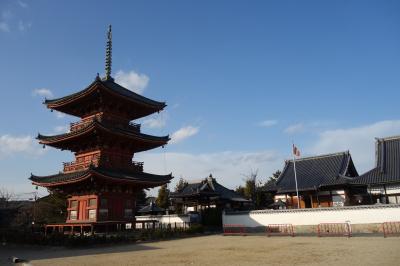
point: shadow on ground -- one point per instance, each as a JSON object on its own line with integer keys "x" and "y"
{"x": 47, "y": 252}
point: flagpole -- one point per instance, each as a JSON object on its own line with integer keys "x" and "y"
{"x": 295, "y": 178}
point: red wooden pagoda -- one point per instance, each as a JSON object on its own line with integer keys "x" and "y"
{"x": 102, "y": 182}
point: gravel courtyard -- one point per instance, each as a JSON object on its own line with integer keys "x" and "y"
{"x": 222, "y": 250}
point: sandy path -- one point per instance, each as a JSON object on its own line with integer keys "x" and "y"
{"x": 232, "y": 250}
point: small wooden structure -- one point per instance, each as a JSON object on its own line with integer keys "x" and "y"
{"x": 208, "y": 193}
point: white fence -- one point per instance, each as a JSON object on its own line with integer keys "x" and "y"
{"x": 173, "y": 221}
{"x": 368, "y": 214}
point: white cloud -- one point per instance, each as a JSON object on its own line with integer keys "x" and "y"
{"x": 183, "y": 134}
{"x": 176, "y": 105}
{"x": 6, "y": 15}
{"x": 157, "y": 121}
{"x": 359, "y": 140}
{"x": 10, "y": 145}
{"x": 133, "y": 81}
{"x": 59, "y": 115}
{"x": 267, "y": 123}
{"x": 22, "y": 4}
{"x": 4, "y": 27}
{"x": 62, "y": 129}
{"x": 42, "y": 92}
{"x": 228, "y": 167}
{"x": 294, "y": 129}
{"x": 22, "y": 26}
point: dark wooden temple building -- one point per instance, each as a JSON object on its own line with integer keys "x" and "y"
{"x": 151, "y": 209}
{"x": 323, "y": 181}
{"x": 102, "y": 182}
{"x": 383, "y": 181}
{"x": 207, "y": 193}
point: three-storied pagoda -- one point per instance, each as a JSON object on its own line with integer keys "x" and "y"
{"x": 102, "y": 182}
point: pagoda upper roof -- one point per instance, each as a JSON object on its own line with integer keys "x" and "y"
{"x": 63, "y": 141}
{"x": 139, "y": 105}
{"x": 117, "y": 176}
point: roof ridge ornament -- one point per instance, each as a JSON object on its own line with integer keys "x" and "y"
{"x": 108, "y": 54}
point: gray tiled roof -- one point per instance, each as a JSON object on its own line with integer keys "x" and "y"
{"x": 208, "y": 187}
{"x": 151, "y": 208}
{"x": 139, "y": 177}
{"x": 387, "y": 168}
{"x": 315, "y": 173}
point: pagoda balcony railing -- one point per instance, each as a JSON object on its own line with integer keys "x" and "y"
{"x": 75, "y": 166}
{"x": 81, "y": 164}
{"x": 131, "y": 126}
{"x": 78, "y": 166}
{"x": 80, "y": 124}
{"x": 136, "y": 166}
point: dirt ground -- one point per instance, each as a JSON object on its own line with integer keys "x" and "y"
{"x": 222, "y": 250}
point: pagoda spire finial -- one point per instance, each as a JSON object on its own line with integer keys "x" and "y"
{"x": 108, "y": 53}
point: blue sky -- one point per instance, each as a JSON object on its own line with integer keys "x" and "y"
{"x": 242, "y": 79}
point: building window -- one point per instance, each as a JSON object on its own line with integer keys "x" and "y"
{"x": 337, "y": 201}
{"x": 128, "y": 213}
{"x": 92, "y": 215}
{"x": 92, "y": 202}
{"x": 128, "y": 204}
{"x": 73, "y": 215}
{"x": 74, "y": 203}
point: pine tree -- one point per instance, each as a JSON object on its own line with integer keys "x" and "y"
{"x": 163, "y": 197}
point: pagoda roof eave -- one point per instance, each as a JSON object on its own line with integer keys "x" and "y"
{"x": 51, "y": 140}
{"x": 112, "y": 87}
{"x": 146, "y": 179}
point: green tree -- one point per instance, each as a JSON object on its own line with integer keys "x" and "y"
{"x": 254, "y": 190}
{"x": 272, "y": 179}
{"x": 251, "y": 185}
{"x": 50, "y": 209}
{"x": 163, "y": 197}
{"x": 182, "y": 183}
{"x": 269, "y": 197}
{"x": 240, "y": 191}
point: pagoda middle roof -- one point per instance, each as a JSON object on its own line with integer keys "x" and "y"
{"x": 58, "y": 140}
{"x": 123, "y": 176}
{"x": 151, "y": 106}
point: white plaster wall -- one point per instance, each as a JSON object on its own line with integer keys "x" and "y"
{"x": 165, "y": 219}
{"x": 354, "y": 215}
{"x": 175, "y": 221}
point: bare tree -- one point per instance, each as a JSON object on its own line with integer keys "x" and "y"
{"x": 5, "y": 196}
{"x": 251, "y": 184}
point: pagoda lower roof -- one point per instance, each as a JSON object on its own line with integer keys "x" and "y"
{"x": 143, "y": 106}
{"x": 117, "y": 176}
{"x": 59, "y": 141}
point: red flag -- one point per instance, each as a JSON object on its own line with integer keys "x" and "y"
{"x": 296, "y": 151}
